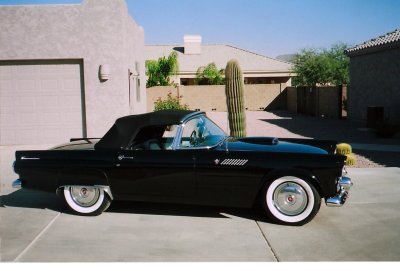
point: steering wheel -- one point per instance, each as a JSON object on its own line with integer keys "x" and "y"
{"x": 193, "y": 139}
{"x": 202, "y": 134}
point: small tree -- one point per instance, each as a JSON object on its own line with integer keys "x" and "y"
{"x": 339, "y": 64}
{"x": 210, "y": 75}
{"x": 159, "y": 71}
{"x": 321, "y": 67}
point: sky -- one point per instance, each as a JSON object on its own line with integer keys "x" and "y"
{"x": 267, "y": 27}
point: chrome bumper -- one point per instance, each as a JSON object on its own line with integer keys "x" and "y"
{"x": 17, "y": 184}
{"x": 339, "y": 199}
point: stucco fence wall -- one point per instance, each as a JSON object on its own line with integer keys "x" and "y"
{"x": 212, "y": 98}
{"x": 316, "y": 101}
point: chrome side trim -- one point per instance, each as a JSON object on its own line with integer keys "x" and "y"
{"x": 29, "y": 158}
{"x": 234, "y": 162}
{"x": 17, "y": 184}
{"x": 340, "y": 198}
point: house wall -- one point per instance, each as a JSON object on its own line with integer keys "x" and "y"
{"x": 212, "y": 98}
{"x": 93, "y": 33}
{"x": 375, "y": 81}
{"x": 98, "y": 32}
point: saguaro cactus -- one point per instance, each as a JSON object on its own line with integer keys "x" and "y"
{"x": 234, "y": 90}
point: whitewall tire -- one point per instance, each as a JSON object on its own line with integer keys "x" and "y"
{"x": 86, "y": 200}
{"x": 290, "y": 200}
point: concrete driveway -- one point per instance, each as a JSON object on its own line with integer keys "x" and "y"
{"x": 35, "y": 227}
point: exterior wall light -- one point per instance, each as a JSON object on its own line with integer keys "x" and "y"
{"x": 104, "y": 72}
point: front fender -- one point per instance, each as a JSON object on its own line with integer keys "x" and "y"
{"x": 300, "y": 173}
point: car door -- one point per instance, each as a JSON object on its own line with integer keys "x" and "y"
{"x": 156, "y": 174}
{"x": 222, "y": 178}
{"x": 227, "y": 178}
{"x": 165, "y": 175}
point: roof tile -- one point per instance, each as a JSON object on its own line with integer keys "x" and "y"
{"x": 390, "y": 37}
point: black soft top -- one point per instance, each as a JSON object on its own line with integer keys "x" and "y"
{"x": 126, "y": 128}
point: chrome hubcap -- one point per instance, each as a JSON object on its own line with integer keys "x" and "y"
{"x": 84, "y": 196}
{"x": 290, "y": 198}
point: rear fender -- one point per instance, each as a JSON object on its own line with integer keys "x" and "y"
{"x": 83, "y": 177}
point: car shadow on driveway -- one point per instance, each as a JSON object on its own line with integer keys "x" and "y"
{"x": 24, "y": 198}
{"x": 170, "y": 209}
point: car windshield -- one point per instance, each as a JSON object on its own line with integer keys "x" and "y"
{"x": 200, "y": 132}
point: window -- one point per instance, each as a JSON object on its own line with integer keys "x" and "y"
{"x": 201, "y": 132}
{"x": 168, "y": 136}
{"x": 155, "y": 138}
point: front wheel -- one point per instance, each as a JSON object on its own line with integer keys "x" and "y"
{"x": 86, "y": 200}
{"x": 290, "y": 200}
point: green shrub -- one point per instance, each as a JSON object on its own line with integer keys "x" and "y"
{"x": 169, "y": 103}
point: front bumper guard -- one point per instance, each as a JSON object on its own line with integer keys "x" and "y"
{"x": 339, "y": 199}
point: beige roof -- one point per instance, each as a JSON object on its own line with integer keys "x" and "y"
{"x": 219, "y": 54}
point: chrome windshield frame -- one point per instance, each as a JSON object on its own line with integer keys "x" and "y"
{"x": 179, "y": 133}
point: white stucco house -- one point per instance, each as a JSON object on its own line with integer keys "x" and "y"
{"x": 68, "y": 70}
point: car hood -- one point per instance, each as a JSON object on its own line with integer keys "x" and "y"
{"x": 271, "y": 144}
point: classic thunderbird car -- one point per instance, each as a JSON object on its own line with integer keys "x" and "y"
{"x": 178, "y": 156}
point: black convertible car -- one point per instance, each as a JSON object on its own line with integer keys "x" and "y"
{"x": 183, "y": 157}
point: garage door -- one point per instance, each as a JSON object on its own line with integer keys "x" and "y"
{"x": 41, "y": 102}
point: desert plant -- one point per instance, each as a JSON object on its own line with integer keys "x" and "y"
{"x": 322, "y": 66}
{"x": 159, "y": 71}
{"x": 169, "y": 103}
{"x": 346, "y": 150}
{"x": 234, "y": 90}
{"x": 343, "y": 149}
{"x": 350, "y": 160}
{"x": 209, "y": 75}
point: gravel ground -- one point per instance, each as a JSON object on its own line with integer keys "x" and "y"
{"x": 284, "y": 124}
{"x": 364, "y": 162}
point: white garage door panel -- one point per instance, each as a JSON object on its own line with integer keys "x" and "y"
{"x": 40, "y": 104}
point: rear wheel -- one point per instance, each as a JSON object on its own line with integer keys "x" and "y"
{"x": 86, "y": 200}
{"x": 290, "y": 200}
